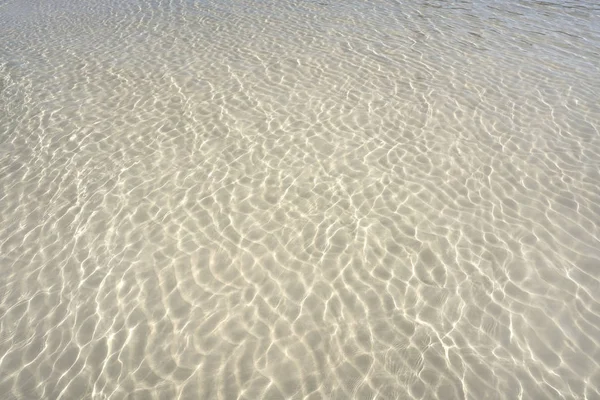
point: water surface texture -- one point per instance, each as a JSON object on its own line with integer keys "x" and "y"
{"x": 285, "y": 199}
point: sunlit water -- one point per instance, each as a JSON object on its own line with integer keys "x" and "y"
{"x": 299, "y": 199}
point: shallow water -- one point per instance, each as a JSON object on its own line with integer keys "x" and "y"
{"x": 299, "y": 199}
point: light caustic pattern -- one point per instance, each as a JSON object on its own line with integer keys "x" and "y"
{"x": 299, "y": 199}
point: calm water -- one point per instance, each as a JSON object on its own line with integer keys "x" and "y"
{"x": 284, "y": 199}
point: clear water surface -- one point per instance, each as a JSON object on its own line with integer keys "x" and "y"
{"x": 286, "y": 199}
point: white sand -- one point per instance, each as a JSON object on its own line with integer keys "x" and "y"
{"x": 299, "y": 199}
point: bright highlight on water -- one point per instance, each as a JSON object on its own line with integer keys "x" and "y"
{"x": 299, "y": 199}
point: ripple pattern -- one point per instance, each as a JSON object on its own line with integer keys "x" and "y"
{"x": 259, "y": 199}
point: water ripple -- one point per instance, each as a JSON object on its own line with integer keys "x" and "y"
{"x": 303, "y": 199}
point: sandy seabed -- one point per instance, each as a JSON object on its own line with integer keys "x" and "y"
{"x": 299, "y": 199}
